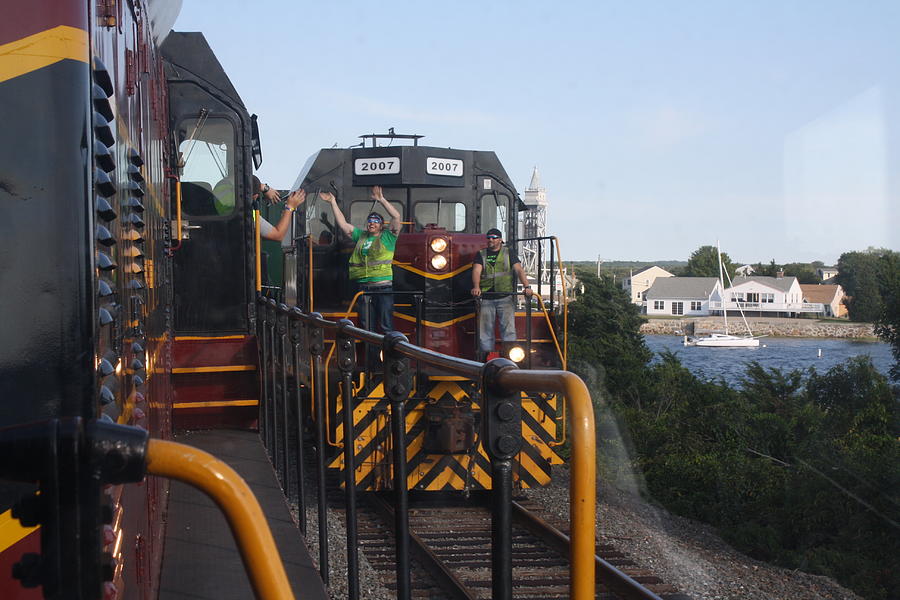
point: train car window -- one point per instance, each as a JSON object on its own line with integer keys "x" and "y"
{"x": 451, "y": 216}
{"x": 207, "y": 179}
{"x": 494, "y": 212}
{"x": 319, "y": 221}
{"x": 360, "y": 210}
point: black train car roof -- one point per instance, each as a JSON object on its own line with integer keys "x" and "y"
{"x": 326, "y": 165}
{"x": 189, "y": 51}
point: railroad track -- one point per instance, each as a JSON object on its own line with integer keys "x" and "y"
{"x": 451, "y": 554}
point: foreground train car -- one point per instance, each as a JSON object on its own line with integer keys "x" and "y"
{"x": 96, "y": 289}
{"x": 129, "y": 281}
{"x": 83, "y": 267}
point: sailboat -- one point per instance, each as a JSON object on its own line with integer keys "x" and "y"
{"x": 724, "y": 340}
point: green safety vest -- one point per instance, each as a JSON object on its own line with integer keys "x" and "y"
{"x": 376, "y": 264}
{"x": 497, "y": 277}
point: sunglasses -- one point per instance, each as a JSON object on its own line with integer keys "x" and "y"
{"x": 374, "y": 220}
{"x": 493, "y": 237}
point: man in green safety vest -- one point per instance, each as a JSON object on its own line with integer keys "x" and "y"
{"x": 492, "y": 280}
{"x": 370, "y": 262}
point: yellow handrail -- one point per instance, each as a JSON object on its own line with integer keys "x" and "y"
{"x": 327, "y": 360}
{"x": 583, "y": 481}
{"x": 562, "y": 356}
{"x": 178, "y": 208}
{"x": 562, "y": 278}
{"x": 258, "y": 250}
{"x": 233, "y": 496}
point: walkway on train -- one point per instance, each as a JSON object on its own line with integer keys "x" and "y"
{"x": 201, "y": 560}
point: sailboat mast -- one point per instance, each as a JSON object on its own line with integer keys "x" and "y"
{"x": 722, "y": 283}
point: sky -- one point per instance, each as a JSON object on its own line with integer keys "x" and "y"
{"x": 656, "y": 127}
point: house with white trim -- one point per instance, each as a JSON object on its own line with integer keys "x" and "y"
{"x": 688, "y": 296}
{"x": 638, "y": 282}
{"x": 766, "y": 296}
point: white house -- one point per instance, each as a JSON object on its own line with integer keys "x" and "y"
{"x": 691, "y": 296}
{"x": 640, "y": 281}
{"x": 745, "y": 270}
{"x": 826, "y": 273}
{"x": 766, "y": 296}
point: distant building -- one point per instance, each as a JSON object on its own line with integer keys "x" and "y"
{"x": 745, "y": 271}
{"x": 690, "y": 296}
{"x": 831, "y": 296}
{"x": 827, "y": 273}
{"x": 766, "y": 296}
{"x": 640, "y": 281}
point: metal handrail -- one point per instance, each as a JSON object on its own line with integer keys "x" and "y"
{"x": 583, "y": 482}
{"x": 562, "y": 278}
{"x": 234, "y": 497}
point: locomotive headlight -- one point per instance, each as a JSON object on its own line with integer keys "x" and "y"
{"x": 438, "y": 261}
{"x": 517, "y": 354}
{"x": 438, "y": 244}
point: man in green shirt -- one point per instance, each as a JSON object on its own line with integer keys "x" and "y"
{"x": 370, "y": 262}
{"x": 494, "y": 271}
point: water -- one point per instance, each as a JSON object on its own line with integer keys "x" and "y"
{"x": 782, "y": 353}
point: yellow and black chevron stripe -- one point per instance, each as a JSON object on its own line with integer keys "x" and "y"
{"x": 442, "y": 472}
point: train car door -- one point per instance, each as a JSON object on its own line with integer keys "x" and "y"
{"x": 210, "y": 266}
{"x": 213, "y": 144}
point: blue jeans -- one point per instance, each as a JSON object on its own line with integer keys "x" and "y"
{"x": 381, "y": 307}
{"x": 503, "y": 309}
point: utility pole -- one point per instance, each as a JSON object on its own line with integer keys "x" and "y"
{"x": 599, "y": 262}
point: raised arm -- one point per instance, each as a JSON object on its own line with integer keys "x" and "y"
{"x": 339, "y": 219}
{"x": 377, "y": 194}
{"x": 280, "y": 230}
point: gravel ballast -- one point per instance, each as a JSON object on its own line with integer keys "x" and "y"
{"x": 684, "y": 553}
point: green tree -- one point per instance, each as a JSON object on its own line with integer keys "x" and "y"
{"x": 862, "y": 275}
{"x": 704, "y": 262}
{"x": 887, "y": 326}
{"x": 604, "y": 331}
{"x": 804, "y": 272}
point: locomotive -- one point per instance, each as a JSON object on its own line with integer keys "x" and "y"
{"x": 129, "y": 282}
{"x": 447, "y": 200}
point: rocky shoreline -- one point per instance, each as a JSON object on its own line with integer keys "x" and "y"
{"x": 772, "y": 327}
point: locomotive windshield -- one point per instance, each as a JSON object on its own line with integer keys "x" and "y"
{"x": 494, "y": 212}
{"x": 207, "y": 179}
{"x": 449, "y": 215}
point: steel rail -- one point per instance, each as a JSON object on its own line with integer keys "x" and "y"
{"x": 614, "y": 579}
{"x": 447, "y": 578}
{"x": 245, "y": 517}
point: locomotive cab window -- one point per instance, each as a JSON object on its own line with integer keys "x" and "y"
{"x": 494, "y": 212}
{"x": 449, "y": 215}
{"x": 207, "y": 179}
{"x": 360, "y": 210}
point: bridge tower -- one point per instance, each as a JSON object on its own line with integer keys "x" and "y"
{"x": 534, "y": 223}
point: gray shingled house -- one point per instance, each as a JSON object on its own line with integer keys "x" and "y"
{"x": 683, "y": 295}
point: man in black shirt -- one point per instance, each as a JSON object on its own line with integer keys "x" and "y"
{"x": 492, "y": 280}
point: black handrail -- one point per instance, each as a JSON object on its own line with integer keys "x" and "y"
{"x": 500, "y": 382}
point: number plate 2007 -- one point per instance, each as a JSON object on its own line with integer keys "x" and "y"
{"x": 451, "y": 167}
{"x": 376, "y": 166}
